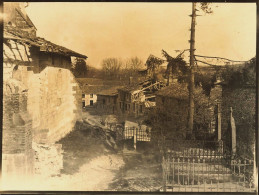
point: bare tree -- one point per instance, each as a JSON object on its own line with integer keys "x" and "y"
{"x": 205, "y": 8}
{"x": 132, "y": 65}
{"x": 111, "y": 67}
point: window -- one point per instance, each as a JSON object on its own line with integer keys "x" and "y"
{"x": 91, "y": 95}
{"x": 140, "y": 109}
{"x": 83, "y": 104}
{"x": 83, "y": 95}
{"x": 91, "y": 102}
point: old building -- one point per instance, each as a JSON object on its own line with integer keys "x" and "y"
{"x": 107, "y": 100}
{"x": 172, "y": 102}
{"x": 41, "y": 98}
{"x": 90, "y": 88}
{"x": 131, "y": 100}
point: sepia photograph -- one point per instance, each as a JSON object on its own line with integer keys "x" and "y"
{"x": 129, "y": 97}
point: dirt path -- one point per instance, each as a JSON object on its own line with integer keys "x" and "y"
{"x": 93, "y": 176}
{"x": 141, "y": 172}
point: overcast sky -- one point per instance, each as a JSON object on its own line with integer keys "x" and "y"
{"x": 123, "y": 30}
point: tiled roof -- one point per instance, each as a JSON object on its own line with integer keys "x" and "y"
{"x": 110, "y": 91}
{"x": 131, "y": 88}
{"x": 94, "y": 89}
{"x": 13, "y": 33}
{"x": 176, "y": 90}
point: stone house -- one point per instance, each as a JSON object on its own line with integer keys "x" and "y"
{"x": 41, "y": 98}
{"x": 173, "y": 101}
{"x": 131, "y": 100}
{"x": 107, "y": 100}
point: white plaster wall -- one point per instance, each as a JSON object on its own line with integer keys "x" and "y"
{"x": 87, "y": 99}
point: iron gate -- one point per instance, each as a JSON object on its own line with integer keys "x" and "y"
{"x": 202, "y": 167}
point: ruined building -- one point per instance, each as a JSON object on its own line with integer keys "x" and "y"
{"x": 41, "y": 99}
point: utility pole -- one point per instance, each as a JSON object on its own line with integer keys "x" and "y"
{"x": 191, "y": 81}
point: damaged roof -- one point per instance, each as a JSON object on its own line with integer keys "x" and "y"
{"x": 19, "y": 35}
{"x": 176, "y": 90}
{"x": 112, "y": 91}
{"x": 131, "y": 88}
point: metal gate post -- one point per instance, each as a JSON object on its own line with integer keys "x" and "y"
{"x": 135, "y": 138}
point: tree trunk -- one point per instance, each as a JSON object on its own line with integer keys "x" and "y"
{"x": 191, "y": 81}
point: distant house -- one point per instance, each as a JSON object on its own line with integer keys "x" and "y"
{"x": 131, "y": 100}
{"x": 88, "y": 99}
{"x": 90, "y": 87}
{"x": 107, "y": 100}
{"x": 174, "y": 96}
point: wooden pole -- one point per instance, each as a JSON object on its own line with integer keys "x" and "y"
{"x": 233, "y": 132}
{"x": 191, "y": 81}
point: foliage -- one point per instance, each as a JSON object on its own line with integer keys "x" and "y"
{"x": 79, "y": 67}
{"x": 242, "y": 100}
{"x": 240, "y": 94}
{"x": 111, "y": 67}
{"x": 206, "y": 81}
{"x": 153, "y": 62}
{"x": 176, "y": 66}
{"x": 205, "y": 7}
{"x": 202, "y": 112}
{"x": 171, "y": 120}
{"x": 93, "y": 72}
{"x": 237, "y": 76}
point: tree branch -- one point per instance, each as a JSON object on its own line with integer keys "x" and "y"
{"x": 219, "y": 58}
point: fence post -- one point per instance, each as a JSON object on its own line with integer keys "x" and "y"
{"x": 135, "y": 138}
{"x": 219, "y": 121}
{"x": 233, "y": 132}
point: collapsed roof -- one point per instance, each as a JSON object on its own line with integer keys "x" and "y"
{"x": 18, "y": 35}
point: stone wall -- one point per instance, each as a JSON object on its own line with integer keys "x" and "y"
{"x": 17, "y": 153}
{"x": 41, "y": 102}
{"x": 53, "y": 102}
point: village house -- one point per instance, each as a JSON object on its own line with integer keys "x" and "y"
{"x": 172, "y": 101}
{"x": 131, "y": 100}
{"x": 36, "y": 113}
{"x": 175, "y": 98}
{"x": 107, "y": 100}
{"x": 90, "y": 87}
{"x": 88, "y": 99}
